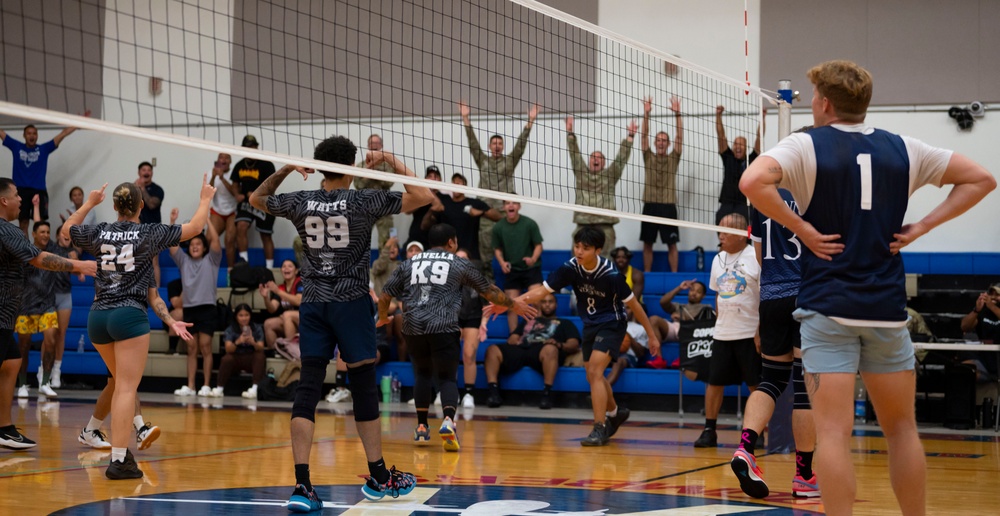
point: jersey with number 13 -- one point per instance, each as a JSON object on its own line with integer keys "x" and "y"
{"x": 125, "y": 252}
{"x": 780, "y": 250}
{"x": 336, "y": 232}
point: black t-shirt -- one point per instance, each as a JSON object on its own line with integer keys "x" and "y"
{"x": 988, "y": 327}
{"x": 466, "y": 226}
{"x": 152, "y": 215}
{"x": 544, "y": 328}
{"x": 417, "y": 234}
{"x": 250, "y": 173}
{"x": 732, "y": 172}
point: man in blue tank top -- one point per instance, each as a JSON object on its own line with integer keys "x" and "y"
{"x": 851, "y": 183}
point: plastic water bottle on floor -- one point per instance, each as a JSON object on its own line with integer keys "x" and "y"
{"x": 860, "y": 398}
{"x": 395, "y": 388}
{"x": 80, "y": 345}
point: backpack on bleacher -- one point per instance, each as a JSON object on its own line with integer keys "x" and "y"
{"x": 283, "y": 387}
{"x": 246, "y": 277}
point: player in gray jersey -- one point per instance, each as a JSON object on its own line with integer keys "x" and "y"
{"x": 38, "y": 315}
{"x": 430, "y": 287}
{"x": 335, "y": 224}
{"x": 15, "y": 251}
{"x": 118, "y": 324}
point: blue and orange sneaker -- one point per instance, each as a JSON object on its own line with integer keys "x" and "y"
{"x": 751, "y": 477}
{"x": 802, "y": 488}
{"x": 303, "y": 500}
{"x": 399, "y": 484}
{"x": 449, "y": 437}
{"x": 421, "y": 435}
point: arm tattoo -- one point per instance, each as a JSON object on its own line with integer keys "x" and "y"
{"x": 160, "y": 308}
{"x": 497, "y": 297}
{"x": 56, "y": 263}
{"x": 271, "y": 184}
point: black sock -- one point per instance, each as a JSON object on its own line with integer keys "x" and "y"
{"x": 173, "y": 340}
{"x": 449, "y": 412}
{"x": 804, "y": 463}
{"x": 546, "y": 390}
{"x": 378, "y": 471}
{"x": 748, "y": 440}
{"x": 494, "y": 385}
{"x": 468, "y": 389}
{"x": 341, "y": 379}
{"x": 302, "y": 476}
{"x": 709, "y": 424}
{"x": 422, "y": 417}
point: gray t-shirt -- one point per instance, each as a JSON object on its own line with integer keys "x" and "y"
{"x": 198, "y": 277}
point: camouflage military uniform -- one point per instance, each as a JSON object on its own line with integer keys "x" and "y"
{"x": 385, "y": 223}
{"x": 597, "y": 190}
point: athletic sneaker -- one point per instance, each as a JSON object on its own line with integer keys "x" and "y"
{"x": 614, "y": 423}
{"x": 217, "y": 392}
{"x": 494, "y": 400}
{"x": 598, "y": 436}
{"x": 421, "y": 435}
{"x": 399, "y": 484}
{"x": 205, "y": 391}
{"x": 22, "y": 391}
{"x": 449, "y": 436}
{"x": 707, "y": 439}
{"x": 46, "y": 390}
{"x": 94, "y": 439}
{"x": 123, "y": 470}
{"x": 468, "y": 401}
{"x": 751, "y": 477}
{"x": 802, "y": 488}
{"x": 339, "y": 395}
{"x": 56, "y": 378}
{"x": 11, "y": 437}
{"x": 546, "y": 402}
{"x": 251, "y": 393}
{"x": 185, "y": 391}
{"x": 145, "y": 436}
{"x": 437, "y": 400}
{"x": 303, "y": 500}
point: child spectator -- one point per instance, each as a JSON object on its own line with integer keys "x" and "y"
{"x": 244, "y": 342}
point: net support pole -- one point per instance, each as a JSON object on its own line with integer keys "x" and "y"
{"x": 781, "y": 439}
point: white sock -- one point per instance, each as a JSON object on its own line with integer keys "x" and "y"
{"x": 138, "y": 422}
{"x": 118, "y": 454}
{"x": 613, "y": 413}
{"x": 269, "y": 263}
{"x": 57, "y": 366}
{"x": 245, "y": 255}
{"x": 94, "y": 424}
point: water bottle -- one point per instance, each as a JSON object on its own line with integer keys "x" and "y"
{"x": 395, "y": 388}
{"x": 80, "y": 344}
{"x": 700, "y": 258}
{"x": 860, "y": 398}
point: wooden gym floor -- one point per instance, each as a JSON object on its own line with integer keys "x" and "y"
{"x": 235, "y": 458}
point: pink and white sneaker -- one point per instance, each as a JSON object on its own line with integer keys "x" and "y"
{"x": 802, "y": 488}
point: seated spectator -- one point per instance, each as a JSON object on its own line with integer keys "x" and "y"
{"x": 635, "y": 278}
{"x": 199, "y": 268}
{"x": 637, "y": 341}
{"x": 282, "y": 301}
{"x": 540, "y": 343}
{"x": 984, "y": 320}
{"x": 244, "y": 343}
{"x": 693, "y": 308}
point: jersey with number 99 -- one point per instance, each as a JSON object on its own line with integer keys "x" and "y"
{"x": 125, "y": 252}
{"x": 336, "y": 232}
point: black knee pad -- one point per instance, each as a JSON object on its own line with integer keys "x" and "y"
{"x": 364, "y": 391}
{"x": 774, "y": 377}
{"x": 310, "y": 389}
{"x": 799, "y": 387}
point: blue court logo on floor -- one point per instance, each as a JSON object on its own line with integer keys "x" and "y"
{"x": 464, "y": 500}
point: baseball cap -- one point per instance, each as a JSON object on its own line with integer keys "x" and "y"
{"x": 415, "y": 243}
{"x": 249, "y": 141}
{"x": 994, "y": 289}
{"x": 432, "y": 168}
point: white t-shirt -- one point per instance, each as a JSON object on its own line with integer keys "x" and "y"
{"x": 638, "y": 334}
{"x": 736, "y": 279}
{"x": 223, "y": 202}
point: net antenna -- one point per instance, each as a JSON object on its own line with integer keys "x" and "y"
{"x": 201, "y": 74}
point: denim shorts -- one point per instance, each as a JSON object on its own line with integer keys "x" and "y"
{"x": 831, "y": 347}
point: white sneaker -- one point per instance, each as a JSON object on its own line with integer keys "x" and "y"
{"x": 46, "y": 390}
{"x": 22, "y": 391}
{"x": 145, "y": 435}
{"x": 413, "y": 401}
{"x": 217, "y": 392}
{"x": 330, "y": 395}
{"x": 39, "y": 375}
{"x": 205, "y": 391}
{"x": 341, "y": 395}
{"x": 94, "y": 439}
{"x": 185, "y": 391}
{"x": 251, "y": 393}
{"x": 437, "y": 400}
{"x": 468, "y": 402}
{"x": 56, "y": 378}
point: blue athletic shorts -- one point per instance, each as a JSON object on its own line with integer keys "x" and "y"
{"x": 116, "y": 324}
{"x": 349, "y": 325}
{"x": 831, "y": 347}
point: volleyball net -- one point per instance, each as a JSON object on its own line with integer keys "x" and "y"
{"x": 202, "y": 74}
